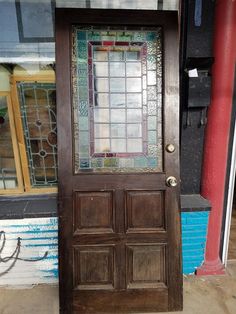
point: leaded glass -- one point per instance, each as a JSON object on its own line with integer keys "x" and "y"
{"x": 38, "y": 111}
{"x": 117, "y": 99}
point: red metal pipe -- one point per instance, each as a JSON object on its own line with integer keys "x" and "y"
{"x": 217, "y": 129}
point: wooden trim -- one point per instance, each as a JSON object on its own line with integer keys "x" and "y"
{"x": 19, "y": 129}
{"x": 20, "y": 188}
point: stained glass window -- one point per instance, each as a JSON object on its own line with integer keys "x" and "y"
{"x": 117, "y": 99}
{"x": 38, "y": 111}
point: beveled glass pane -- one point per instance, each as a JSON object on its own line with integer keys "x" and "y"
{"x": 134, "y": 115}
{"x": 132, "y": 55}
{"x": 101, "y": 100}
{"x": 134, "y": 130}
{"x": 118, "y": 115}
{"x": 116, "y": 55}
{"x": 117, "y": 100}
{"x": 101, "y": 85}
{"x": 133, "y": 69}
{"x": 117, "y": 85}
{"x": 100, "y": 68}
{"x": 102, "y": 145}
{"x": 100, "y": 55}
{"x": 117, "y": 69}
{"x": 8, "y": 178}
{"x": 117, "y": 126}
{"x": 118, "y": 130}
{"x": 101, "y": 130}
{"x": 101, "y": 115}
{"x": 118, "y": 145}
{"x": 134, "y": 145}
{"x": 133, "y": 84}
{"x": 134, "y": 100}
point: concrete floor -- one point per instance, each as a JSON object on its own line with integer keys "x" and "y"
{"x": 202, "y": 295}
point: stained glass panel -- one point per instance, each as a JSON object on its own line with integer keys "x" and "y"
{"x": 38, "y": 112}
{"x": 117, "y": 99}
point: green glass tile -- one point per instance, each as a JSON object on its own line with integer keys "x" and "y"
{"x": 152, "y": 123}
{"x": 152, "y": 162}
{"x": 83, "y": 123}
{"x": 97, "y": 162}
{"x": 110, "y": 162}
{"x": 151, "y": 36}
{"x": 122, "y": 36}
{"x": 84, "y": 163}
{"x": 83, "y": 93}
{"x": 152, "y": 137}
{"x": 140, "y": 162}
{"x": 81, "y": 35}
{"x": 152, "y": 150}
{"x": 94, "y": 36}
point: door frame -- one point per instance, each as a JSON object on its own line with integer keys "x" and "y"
{"x": 168, "y": 20}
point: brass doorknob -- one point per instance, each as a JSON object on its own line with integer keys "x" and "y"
{"x": 171, "y": 181}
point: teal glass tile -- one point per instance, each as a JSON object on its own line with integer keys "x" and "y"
{"x": 152, "y": 162}
{"x": 152, "y": 137}
{"x": 84, "y": 163}
{"x": 82, "y": 72}
{"x": 140, "y": 162}
{"x": 81, "y": 35}
{"x": 82, "y": 51}
{"x": 83, "y": 93}
{"x": 94, "y": 36}
{"x": 84, "y": 151}
{"x": 83, "y": 108}
{"x": 84, "y": 138}
{"x": 152, "y": 123}
{"x": 83, "y": 123}
{"x": 139, "y": 36}
{"x": 111, "y": 162}
{"x": 97, "y": 163}
{"x": 151, "y": 36}
{"x": 82, "y": 81}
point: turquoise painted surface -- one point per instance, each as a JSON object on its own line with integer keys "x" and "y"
{"x": 194, "y": 234}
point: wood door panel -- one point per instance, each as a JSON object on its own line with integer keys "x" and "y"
{"x": 93, "y": 212}
{"x": 145, "y": 266}
{"x": 124, "y": 302}
{"x": 94, "y": 267}
{"x": 144, "y": 211}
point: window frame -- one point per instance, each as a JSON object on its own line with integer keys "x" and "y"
{"x": 15, "y": 146}
{"x": 15, "y": 78}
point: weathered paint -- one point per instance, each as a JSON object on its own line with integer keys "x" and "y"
{"x": 38, "y": 236}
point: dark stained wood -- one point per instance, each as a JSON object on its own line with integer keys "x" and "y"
{"x": 113, "y": 258}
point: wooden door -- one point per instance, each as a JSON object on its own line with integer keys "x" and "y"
{"x": 118, "y": 137}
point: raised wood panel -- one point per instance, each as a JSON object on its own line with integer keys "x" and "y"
{"x": 94, "y": 267}
{"x": 145, "y": 266}
{"x": 144, "y": 211}
{"x": 93, "y": 212}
